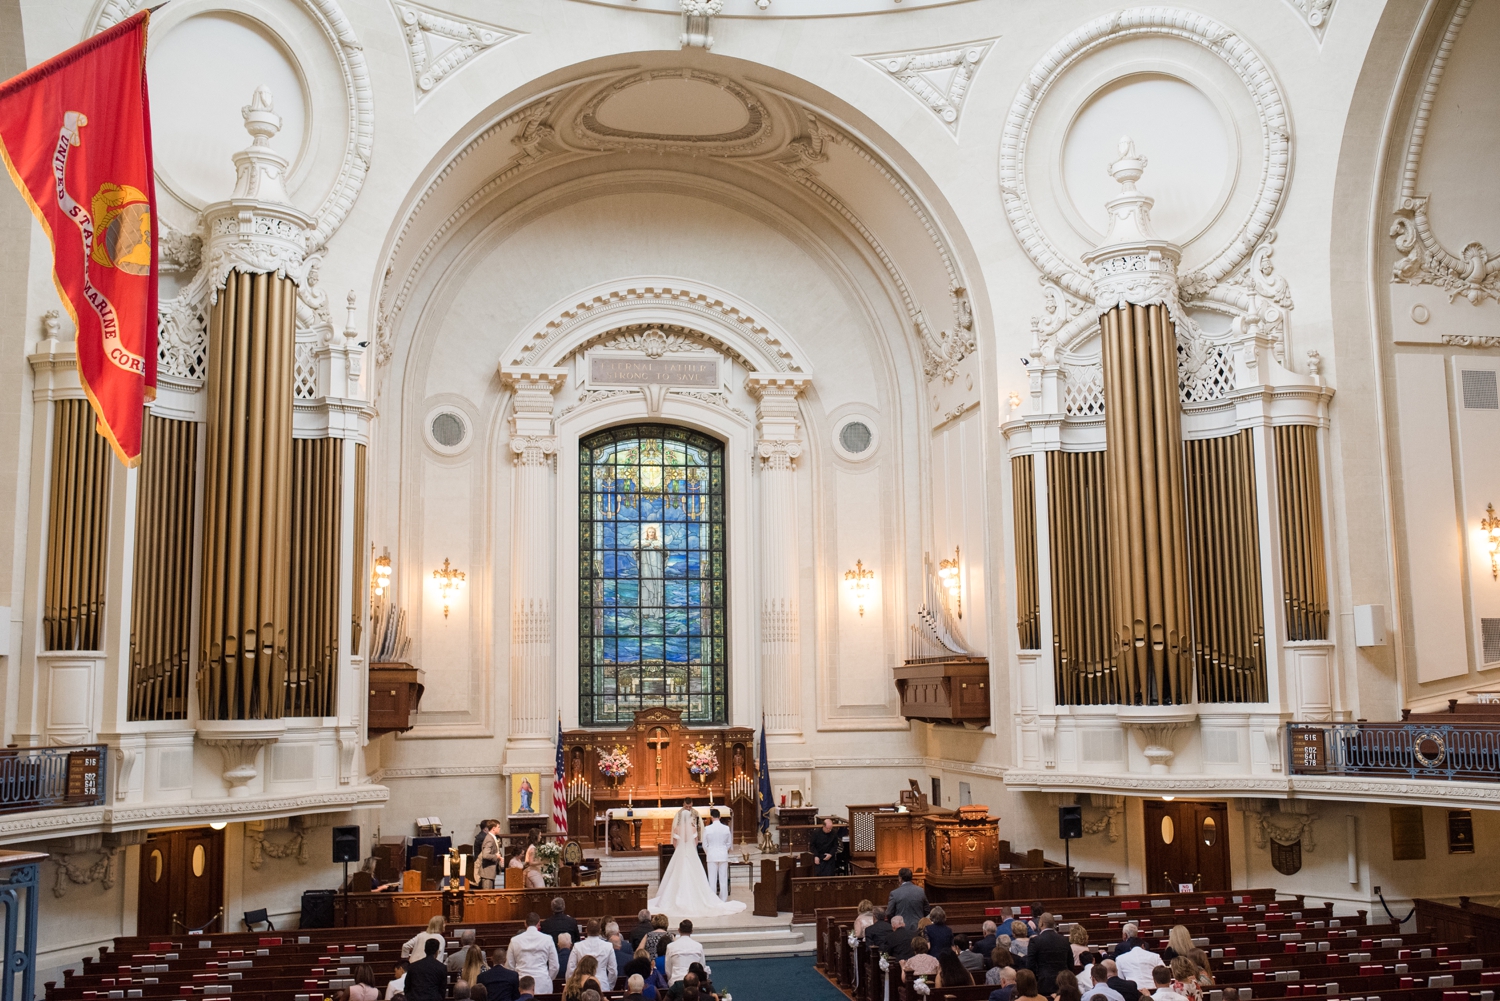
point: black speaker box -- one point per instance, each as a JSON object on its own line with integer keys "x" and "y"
{"x": 317, "y": 909}
{"x": 1069, "y": 822}
{"x": 346, "y": 844}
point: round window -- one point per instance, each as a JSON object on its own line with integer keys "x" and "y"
{"x": 156, "y": 864}
{"x": 448, "y": 429}
{"x": 855, "y": 437}
{"x": 200, "y": 860}
{"x": 1210, "y": 831}
{"x": 1168, "y": 830}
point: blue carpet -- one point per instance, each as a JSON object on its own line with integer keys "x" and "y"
{"x": 794, "y": 978}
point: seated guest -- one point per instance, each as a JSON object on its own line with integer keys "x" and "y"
{"x": 1087, "y": 961}
{"x": 951, "y": 972}
{"x": 427, "y": 978}
{"x": 559, "y": 920}
{"x": 591, "y": 995}
{"x": 582, "y": 979}
{"x": 416, "y": 946}
{"x": 1005, "y": 983}
{"x": 1067, "y": 987}
{"x": 922, "y": 962}
{"x": 363, "y": 988}
{"x": 636, "y": 985}
{"x": 1231, "y": 994}
{"x": 478, "y": 992}
{"x": 398, "y": 983}
{"x": 986, "y": 943}
{"x": 898, "y": 942}
{"x": 1161, "y": 981}
{"x": 1025, "y": 986}
{"x": 1122, "y": 986}
{"x": 528, "y": 989}
{"x": 1033, "y": 924}
{"x": 564, "y": 951}
{"x": 1129, "y": 938}
{"x": 1136, "y": 964}
{"x": 1186, "y": 978}
{"x": 864, "y": 919}
{"x": 500, "y": 983}
{"x": 641, "y": 930}
{"x": 695, "y": 976}
{"x": 971, "y": 960}
{"x": 1000, "y": 959}
{"x": 938, "y": 933}
{"x": 472, "y": 968}
{"x": 640, "y": 963}
{"x": 879, "y": 930}
{"x": 623, "y": 954}
{"x": 1101, "y": 991}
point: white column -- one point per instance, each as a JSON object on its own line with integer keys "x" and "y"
{"x": 533, "y": 713}
{"x": 779, "y": 446}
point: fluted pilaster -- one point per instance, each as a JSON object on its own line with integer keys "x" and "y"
{"x": 778, "y": 448}
{"x": 533, "y": 710}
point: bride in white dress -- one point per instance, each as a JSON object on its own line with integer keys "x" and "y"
{"x": 684, "y": 891}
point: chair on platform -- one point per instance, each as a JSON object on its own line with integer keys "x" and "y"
{"x": 360, "y": 882}
{"x": 260, "y": 917}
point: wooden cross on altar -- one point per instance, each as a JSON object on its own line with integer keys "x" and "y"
{"x": 656, "y": 740}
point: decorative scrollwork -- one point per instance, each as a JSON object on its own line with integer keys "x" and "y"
{"x": 101, "y": 871}
{"x": 260, "y": 848}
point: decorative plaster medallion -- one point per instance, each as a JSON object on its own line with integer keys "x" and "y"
{"x": 440, "y": 44}
{"x": 938, "y": 77}
{"x": 359, "y": 97}
{"x": 1110, "y": 30}
{"x": 1315, "y": 14}
{"x": 622, "y": 117}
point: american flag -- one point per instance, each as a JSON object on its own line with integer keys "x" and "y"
{"x": 559, "y": 787}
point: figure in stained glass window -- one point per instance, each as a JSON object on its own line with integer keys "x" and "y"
{"x": 652, "y": 621}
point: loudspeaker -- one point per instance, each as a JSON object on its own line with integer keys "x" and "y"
{"x": 1069, "y": 822}
{"x": 317, "y": 909}
{"x": 346, "y": 844}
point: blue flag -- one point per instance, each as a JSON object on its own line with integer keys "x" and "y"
{"x": 765, "y": 782}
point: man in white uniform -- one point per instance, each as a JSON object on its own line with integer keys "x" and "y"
{"x": 718, "y": 838}
{"x": 533, "y": 954}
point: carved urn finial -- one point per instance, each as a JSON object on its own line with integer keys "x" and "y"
{"x": 261, "y": 120}
{"x": 259, "y": 171}
{"x": 1131, "y": 263}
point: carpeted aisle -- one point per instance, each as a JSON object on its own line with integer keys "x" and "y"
{"x": 795, "y": 978}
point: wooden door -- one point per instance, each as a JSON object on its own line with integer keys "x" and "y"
{"x": 182, "y": 882}
{"x": 1186, "y": 842}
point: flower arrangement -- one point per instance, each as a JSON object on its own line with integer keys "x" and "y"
{"x": 702, "y": 760}
{"x": 550, "y": 854}
{"x": 614, "y": 763}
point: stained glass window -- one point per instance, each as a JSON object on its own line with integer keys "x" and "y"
{"x": 652, "y": 614}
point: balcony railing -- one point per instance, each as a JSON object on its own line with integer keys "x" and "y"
{"x": 37, "y": 778}
{"x": 1468, "y": 751}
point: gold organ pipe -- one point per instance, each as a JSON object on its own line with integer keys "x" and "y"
{"x": 247, "y": 544}
{"x": 313, "y": 627}
{"x": 163, "y": 570}
{"x": 78, "y": 531}
{"x": 1028, "y": 607}
{"x": 1300, "y": 508}
{"x": 361, "y": 571}
{"x": 1081, "y": 607}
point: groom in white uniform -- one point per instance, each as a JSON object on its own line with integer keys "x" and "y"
{"x": 718, "y": 838}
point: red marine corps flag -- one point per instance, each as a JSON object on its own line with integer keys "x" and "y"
{"x": 75, "y": 132}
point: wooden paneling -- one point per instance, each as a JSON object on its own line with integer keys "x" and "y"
{"x": 182, "y": 882}
{"x": 1186, "y": 842}
{"x": 813, "y": 892}
{"x": 945, "y": 689}
{"x": 481, "y": 906}
{"x": 395, "y": 694}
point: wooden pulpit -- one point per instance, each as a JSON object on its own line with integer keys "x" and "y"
{"x": 962, "y": 853}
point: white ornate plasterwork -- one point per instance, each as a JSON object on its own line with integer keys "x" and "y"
{"x": 748, "y": 138}
{"x": 1471, "y": 341}
{"x": 294, "y": 847}
{"x": 432, "y": 61}
{"x": 938, "y": 77}
{"x": 1111, "y": 29}
{"x": 1315, "y": 14}
{"x": 359, "y": 99}
{"x": 101, "y": 871}
{"x": 1471, "y": 273}
{"x": 1284, "y": 829}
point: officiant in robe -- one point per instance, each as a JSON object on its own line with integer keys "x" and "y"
{"x": 825, "y": 845}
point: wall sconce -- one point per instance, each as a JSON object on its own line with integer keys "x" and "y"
{"x": 948, "y": 576}
{"x": 380, "y": 572}
{"x": 450, "y": 582}
{"x": 1491, "y": 527}
{"x": 859, "y": 582}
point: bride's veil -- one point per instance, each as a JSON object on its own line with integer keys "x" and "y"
{"x": 685, "y": 827}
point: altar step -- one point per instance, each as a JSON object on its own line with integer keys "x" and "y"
{"x": 757, "y": 941}
{"x": 617, "y": 869}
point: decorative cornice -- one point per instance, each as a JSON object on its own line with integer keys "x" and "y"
{"x": 1110, "y": 29}
{"x": 439, "y": 771}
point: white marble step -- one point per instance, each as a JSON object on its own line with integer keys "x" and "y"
{"x": 756, "y": 942}
{"x": 628, "y": 870}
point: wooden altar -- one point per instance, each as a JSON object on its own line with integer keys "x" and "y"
{"x": 657, "y": 744}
